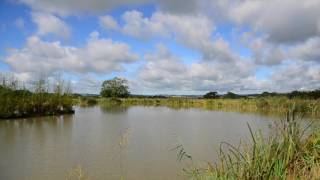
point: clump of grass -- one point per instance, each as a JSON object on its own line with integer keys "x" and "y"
{"x": 288, "y": 154}
{"x": 88, "y": 101}
{"x": 77, "y": 173}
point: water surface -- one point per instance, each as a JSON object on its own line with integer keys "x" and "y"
{"x": 115, "y": 142}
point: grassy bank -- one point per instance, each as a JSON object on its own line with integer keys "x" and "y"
{"x": 19, "y": 102}
{"x": 274, "y": 105}
{"x": 286, "y": 154}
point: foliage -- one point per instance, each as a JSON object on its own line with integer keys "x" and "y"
{"x": 231, "y": 95}
{"x": 211, "y": 95}
{"x": 305, "y": 94}
{"x": 116, "y": 87}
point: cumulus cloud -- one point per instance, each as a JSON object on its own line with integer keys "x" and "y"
{"x": 108, "y": 22}
{"x": 78, "y": 6}
{"x": 284, "y": 38}
{"x": 295, "y": 76}
{"x": 281, "y": 20}
{"x": 192, "y": 31}
{"x": 284, "y": 21}
{"x": 265, "y": 53}
{"x": 166, "y": 71}
{"x": 99, "y": 55}
{"x": 96, "y": 6}
{"x": 308, "y": 51}
{"x": 50, "y": 24}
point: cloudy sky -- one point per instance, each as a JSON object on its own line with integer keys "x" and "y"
{"x": 165, "y": 46}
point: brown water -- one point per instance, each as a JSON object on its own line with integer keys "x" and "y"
{"x": 118, "y": 142}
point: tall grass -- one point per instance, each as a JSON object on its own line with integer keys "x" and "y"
{"x": 87, "y": 101}
{"x": 77, "y": 173}
{"x": 269, "y": 105}
{"x": 18, "y": 101}
{"x": 290, "y": 153}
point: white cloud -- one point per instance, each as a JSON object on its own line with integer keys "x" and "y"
{"x": 284, "y": 21}
{"x": 96, "y": 6}
{"x": 265, "y": 53}
{"x": 308, "y": 51}
{"x": 187, "y": 29}
{"x": 281, "y": 20}
{"x": 68, "y": 7}
{"x": 192, "y": 31}
{"x": 166, "y": 72}
{"x": 284, "y": 38}
{"x": 50, "y": 24}
{"x": 98, "y": 56}
{"x": 108, "y": 22}
{"x": 296, "y": 76}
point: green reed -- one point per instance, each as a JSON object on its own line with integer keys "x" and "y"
{"x": 292, "y": 152}
{"x": 18, "y": 102}
{"x": 269, "y": 105}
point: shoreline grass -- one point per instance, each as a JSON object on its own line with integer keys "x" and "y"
{"x": 19, "y": 102}
{"x": 289, "y": 153}
{"x": 269, "y": 105}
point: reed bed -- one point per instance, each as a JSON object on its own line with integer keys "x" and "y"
{"x": 86, "y": 101}
{"x": 269, "y": 105}
{"x": 20, "y": 102}
{"x": 291, "y": 152}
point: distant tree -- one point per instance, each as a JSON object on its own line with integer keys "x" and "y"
{"x": 211, "y": 95}
{"x": 268, "y": 94}
{"x": 231, "y": 95}
{"x": 315, "y": 94}
{"x": 116, "y": 87}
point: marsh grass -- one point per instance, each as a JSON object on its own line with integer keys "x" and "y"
{"x": 77, "y": 173}
{"x": 87, "y": 101}
{"x": 291, "y": 152}
{"x": 269, "y": 105}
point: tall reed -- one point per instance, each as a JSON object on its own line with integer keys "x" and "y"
{"x": 18, "y": 101}
{"x": 269, "y": 105}
{"x": 292, "y": 152}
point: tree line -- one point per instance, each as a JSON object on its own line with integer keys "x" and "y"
{"x": 119, "y": 88}
{"x": 313, "y": 94}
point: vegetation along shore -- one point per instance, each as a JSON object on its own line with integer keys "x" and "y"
{"x": 18, "y": 102}
{"x": 116, "y": 91}
{"x": 291, "y": 151}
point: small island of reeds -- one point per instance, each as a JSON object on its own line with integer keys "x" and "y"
{"x": 19, "y": 102}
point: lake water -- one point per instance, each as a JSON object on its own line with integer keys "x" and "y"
{"x": 114, "y": 142}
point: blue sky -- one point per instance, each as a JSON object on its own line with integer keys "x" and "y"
{"x": 164, "y": 47}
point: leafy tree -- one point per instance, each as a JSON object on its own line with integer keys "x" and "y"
{"x": 116, "y": 87}
{"x": 211, "y": 95}
{"x": 231, "y": 95}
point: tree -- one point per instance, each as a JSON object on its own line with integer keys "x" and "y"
{"x": 231, "y": 95}
{"x": 116, "y": 87}
{"x": 211, "y": 95}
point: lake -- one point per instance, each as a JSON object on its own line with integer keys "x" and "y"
{"x": 113, "y": 142}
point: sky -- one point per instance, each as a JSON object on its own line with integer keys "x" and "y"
{"x": 164, "y": 46}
